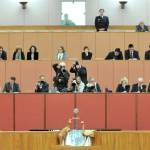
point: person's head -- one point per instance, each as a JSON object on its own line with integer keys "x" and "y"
{"x": 124, "y": 81}
{"x": 18, "y": 49}
{"x": 42, "y": 78}
{"x": 86, "y": 49}
{"x": 78, "y": 79}
{"x": 66, "y": 16}
{"x": 77, "y": 64}
{"x": 131, "y": 47}
{"x": 33, "y": 49}
{"x": 101, "y": 12}
{"x": 141, "y": 23}
{"x": 140, "y": 80}
{"x": 12, "y": 79}
{"x": 91, "y": 80}
{"x": 61, "y": 49}
{"x": 117, "y": 51}
{"x": 1, "y": 48}
{"x": 62, "y": 65}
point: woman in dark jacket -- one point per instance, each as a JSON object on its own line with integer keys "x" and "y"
{"x": 86, "y": 54}
{"x": 18, "y": 54}
{"x": 33, "y": 54}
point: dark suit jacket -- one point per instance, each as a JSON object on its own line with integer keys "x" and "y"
{"x": 135, "y": 55}
{"x": 120, "y": 88}
{"x": 22, "y": 56}
{"x": 111, "y": 55}
{"x": 4, "y": 55}
{"x": 95, "y": 88}
{"x": 140, "y": 29}
{"x": 82, "y": 72}
{"x": 42, "y": 86}
{"x": 147, "y": 55}
{"x": 136, "y": 88}
{"x": 60, "y": 75}
{"x": 85, "y": 57}
{"x": 36, "y": 56}
{"x": 8, "y": 88}
{"x": 148, "y": 90}
{"x": 101, "y": 22}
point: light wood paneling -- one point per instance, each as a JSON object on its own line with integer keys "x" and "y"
{"x": 88, "y": 39}
{"x": 15, "y": 40}
{"x": 116, "y": 40}
{"x": 102, "y": 44}
{"x": 74, "y": 45}
{"x": 45, "y": 46}
{"x": 58, "y": 39}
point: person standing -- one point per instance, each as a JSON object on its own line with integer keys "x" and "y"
{"x": 101, "y": 21}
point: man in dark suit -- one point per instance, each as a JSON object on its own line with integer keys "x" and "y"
{"x": 116, "y": 55}
{"x": 139, "y": 87}
{"x": 80, "y": 71}
{"x": 11, "y": 86}
{"x": 131, "y": 54}
{"x": 42, "y": 86}
{"x": 62, "y": 77}
{"x": 147, "y": 54}
{"x": 101, "y": 21}
{"x": 92, "y": 86}
{"x": 142, "y": 27}
{"x": 3, "y": 54}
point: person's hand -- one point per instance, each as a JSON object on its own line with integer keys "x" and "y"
{"x": 70, "y": 121}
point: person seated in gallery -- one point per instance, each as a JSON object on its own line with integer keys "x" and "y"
{"x": 141, "y": 27}
{"x": 3, "y": 54}
{"x": 33, "y": 54}
{"x": 86, "y": 54}
{"x": 115, "y": 55}
{"x": 139, "y": 87}
{"x": 77, "y": 85}
{"x": 61, "y": 54}
{"x": 123, "y": 86}
{"x": 101, "y": 21}
{"x": 148, "y": 89}
{"x": 147, "y": 54}
{"x": 11, "y": 86}
{"x": 80, "y": 71}
{"x": 92, "y": 86}
{"x": 131, "y": 53}
{"x": 61, "y": 78}
{"x": 71, "y": 135}
{"x": 42, "y": 86}
{"x": 18, "y": 54}
{"x": 66, "y": 21}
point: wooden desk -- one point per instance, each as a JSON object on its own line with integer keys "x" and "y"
{"x": 48, "y": 141}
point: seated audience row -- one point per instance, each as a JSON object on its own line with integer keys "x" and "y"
{"x": 77, "y": 86}
{"x": 19, "y": 54}
{"x": 33, "y": 54}
{"x": 129, "y": 54}
{"x": 138, "y": 87}
{"x": 79, "y": 83}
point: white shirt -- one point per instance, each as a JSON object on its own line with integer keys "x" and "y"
{"x": 60, "y": 56}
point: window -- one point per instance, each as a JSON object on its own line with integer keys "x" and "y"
{"x": 73, "y": 13}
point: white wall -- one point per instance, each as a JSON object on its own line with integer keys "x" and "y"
{"x": 48, "y": 12}
{"x": 135, "y": 11}
{"x": 38, "y": 12}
